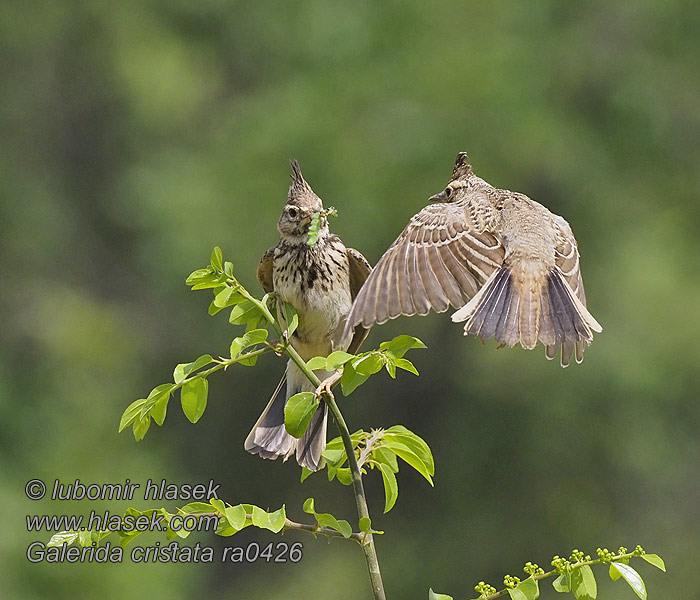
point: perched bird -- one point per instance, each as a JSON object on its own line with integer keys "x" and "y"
{"x": 320, "y": 282}
{"x": 507, "y": 263}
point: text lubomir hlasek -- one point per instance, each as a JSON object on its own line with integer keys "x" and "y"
{"x": 161, "y": 490}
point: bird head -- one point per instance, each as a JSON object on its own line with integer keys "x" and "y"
{"x": 460, "y": 174}
{"x": 302, "y": 203}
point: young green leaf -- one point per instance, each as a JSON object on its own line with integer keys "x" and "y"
{"x": 193, "y": 397}
{"x": 245, "y": 312}
{"x": 298, "y": 412}
{"x": 527, "y": 589}
{"x": 366, "y": 525}
{"x": 236, "y": 516}
{"x": 400, "y": 345}
{"x": 391, "y": 488}
{"x": 632, "y": 578}
{"x": 63, "y": 537}
{"x": 327, "y": 519}
{"x": 583, "y": 584}
{"x": 159, "y": 409}
{"x": 317, "y": 362}
{"x": 217, "y": 259}
{"x": 291, "y": 318}
{"x": 337, "y": 359}
{"x": 656, "y": 560}
{"x": 562, "y": 584}
{"x": 182, "y": 371}
{"x": 410, "y": 457}
{"x": 369, "y": 364}
{"x": 141, "y": 425}
{"x": 351, "y": 379}
{"x": 250, "y": 338}
{"x": 405, "y": 364}
{"x": 273, "y": 521}
{"x": 132, "y": 411}
{"x": 435, "y": 596}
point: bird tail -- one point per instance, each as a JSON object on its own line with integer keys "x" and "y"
{"x": 528, "y": 310}
{"x": 269, "y": 438}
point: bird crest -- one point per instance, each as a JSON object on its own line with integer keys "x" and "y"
{"x": 462, "y": 167}
{"x": 300, "y": 192}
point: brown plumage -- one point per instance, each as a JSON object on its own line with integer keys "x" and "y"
{"x": 320, "y": 281}
{"x": 507, "y": 263}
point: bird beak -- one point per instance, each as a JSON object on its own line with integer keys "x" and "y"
{"x": 438, "y": 197}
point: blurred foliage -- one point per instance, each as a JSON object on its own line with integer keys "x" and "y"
{"x": 135, "y": 133}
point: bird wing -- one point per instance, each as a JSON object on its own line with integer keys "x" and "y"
{"x": 440, "y": 259}
{"x": 359, "y": 271}
{"x": 265, "y": 270}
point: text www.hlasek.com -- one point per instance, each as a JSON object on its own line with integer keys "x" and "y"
{"x": 126, "y": 523}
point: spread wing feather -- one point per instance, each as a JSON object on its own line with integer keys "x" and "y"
{"x": 440, "y": 260}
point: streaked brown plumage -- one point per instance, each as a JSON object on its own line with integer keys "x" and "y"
{"x": 320, "y": 281}
{"x": 507, "y": 263}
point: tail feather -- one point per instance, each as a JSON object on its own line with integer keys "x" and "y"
{"x": 313, "y": 442}
{"x": 530, "y": 313}
{"x": 269, "y": 439}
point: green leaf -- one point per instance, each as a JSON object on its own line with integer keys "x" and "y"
{"x": 406, "y": 365}
{"x": 305, "y": 473}
{"x": 391, "y": 488}
{"x": 141, "y": 425}
{"x": 250, "y": 338}
{"x": 614, "y": 573}
{"x": 182, "y": 371}
{"x": 317, "y": 362}
{"x": 63, "y": 537}
{"x": 385, "y": 456}
{"x": 527, "y": 589}
{"x": 435, "y": 596}
{"x": 400, "y": 345}
{"x": 228, "y": 268}
{"x": 340, "y": 525}
{"x": 203, "y": 279}
{"x": 272, "y": 521}
{"x": 344, "y": 476}
{"x": 159, "y": 409}
{"x": 583, "y": 583}
{"x": 562, "y": 583}
{"x": 369, "y": 364}
{"x": 245, "y": 312}
{"x": 291, "y": 318}
{"x": 196, "y": 507}
{"x": 132, "y": 411}
{"x": 298, "y": 412}
{"x": 417, "y": 444}
{"x": 365, "y": 524}
{"x": 632, "y": 578}
{"x": 656, "y": 560}
{"x": 193, "y": 397}
{"x": 236, "y": 516}
{"x": 337, "y": 359}
{"x": 217, "y": 259}
{"x": 351, "y": 379}
{"x": 402, "y": 451}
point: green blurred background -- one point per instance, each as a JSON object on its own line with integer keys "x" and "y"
{"x": 138, "y": 135}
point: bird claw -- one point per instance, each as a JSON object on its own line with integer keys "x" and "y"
{"x": 328, "y": 383}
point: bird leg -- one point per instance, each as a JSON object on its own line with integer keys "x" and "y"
{"x": 328, "y": 383}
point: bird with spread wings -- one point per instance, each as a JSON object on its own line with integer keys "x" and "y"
{"x": 509, "y": 265}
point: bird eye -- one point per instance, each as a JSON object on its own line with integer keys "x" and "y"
{"x": 292, "y": 212}
{"x": 448, "y": 192}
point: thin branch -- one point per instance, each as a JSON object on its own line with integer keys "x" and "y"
{"x": 572, "y": 567}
